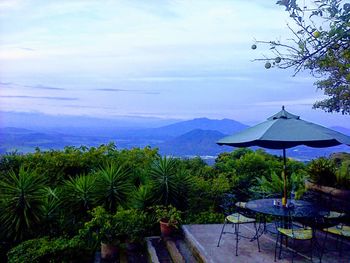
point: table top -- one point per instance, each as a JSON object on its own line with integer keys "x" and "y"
{"x": 300, "y": 209}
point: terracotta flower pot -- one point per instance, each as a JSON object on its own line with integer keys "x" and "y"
{"x": 165, "y": 228}
{"x": 108, "y": 251}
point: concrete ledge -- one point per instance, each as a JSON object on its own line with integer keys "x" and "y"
{"x": 196, "y": 248}
{"x": 152, "y": 254}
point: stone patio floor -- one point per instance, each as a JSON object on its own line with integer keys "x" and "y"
{"x": 204, "y": 238}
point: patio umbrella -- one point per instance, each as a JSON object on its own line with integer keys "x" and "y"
{"x": 285, "y": 130}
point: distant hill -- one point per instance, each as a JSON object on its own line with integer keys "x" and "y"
{"x": 224, "y": 126}
{"x": 79, "y": 125}
{"x": 195, "y": 142}
{"x": 183, "y": 138}
{"x": 25, "y": 140}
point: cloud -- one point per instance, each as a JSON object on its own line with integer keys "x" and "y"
{"x": 5, "y": 83}
{"x": 300, "y": 102}
{"x": 126, "y": 90}
{"x": 27, "y": 48}
{"x": 44, "y": 87}
{"x": 113, "y": 90}
{"x": 188, "y": 78}
{"x": 75, "y": 106}
{"x": 36, "y": 97}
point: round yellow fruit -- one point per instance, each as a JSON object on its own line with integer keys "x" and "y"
{"x": 316, "y": 34}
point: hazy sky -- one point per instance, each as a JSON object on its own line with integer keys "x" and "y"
{"x": 168, "y": 59}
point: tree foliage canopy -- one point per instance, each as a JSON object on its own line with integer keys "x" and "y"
{"x": 320, "y": 43}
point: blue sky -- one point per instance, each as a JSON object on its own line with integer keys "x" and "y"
{"x": 167, "y": 59}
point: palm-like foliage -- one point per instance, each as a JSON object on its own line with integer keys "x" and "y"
{"x": 185, "y": 187}
{"x": 79, "y": 192}
{"x": 142, "y": 198}
{"x": 21, "y": 198}
{"x": 274, "y": 186}
{"x": 163, "y": 174}
{"x": 51, "y": 210}
{"x": 112, "y": 186}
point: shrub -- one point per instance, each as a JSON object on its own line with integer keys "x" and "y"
{"x": 322, "y": 171}
{"x": 207, "y": 194}
{"x": 56, "y": 250}
{"x": 205, "y": 218}
{"x": 343, "y": 175}
{"x": 125, "y": 225}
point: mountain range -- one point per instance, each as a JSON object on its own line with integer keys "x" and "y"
{"x": 195, "y": 137}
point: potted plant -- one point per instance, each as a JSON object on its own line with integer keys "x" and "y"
{"x": 106, "y": 229}
{"x": 169, "y": 219}
{"x": 135, "y": 225}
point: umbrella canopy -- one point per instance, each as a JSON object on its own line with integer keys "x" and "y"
{"x": 285, "y": 130}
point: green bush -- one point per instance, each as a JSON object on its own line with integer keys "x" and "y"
{"x": 44, "y": 249}
{"x": 207, "y": 193}
{"x": 322, "y": 171}
{"x": 343, "y": 175}
{"x": 125, "y": 225}
{"x": 205, "y": 218}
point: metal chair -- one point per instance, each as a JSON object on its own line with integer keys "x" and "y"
{"x": 241, "y": 216}
{"x": 290, "y": 229}
{"x": 341, "y": 231}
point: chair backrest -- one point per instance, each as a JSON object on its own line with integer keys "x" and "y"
{"x": 228, "y": 203}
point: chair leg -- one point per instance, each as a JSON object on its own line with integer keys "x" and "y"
{"x": 257, "y": 235}
{"x": 222, "y": 231}
{"x": 341, "y": 247}
{"x": 294, "y": 251}
{"x": 281, "y": 241}
{"x": 312, "y": 248}
{"x": 276, "y": 245}
{"x": 237, "y": 237}
{"x": 323, "y": 246}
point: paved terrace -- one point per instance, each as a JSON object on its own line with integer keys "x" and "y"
{"x": 203, "y": 239}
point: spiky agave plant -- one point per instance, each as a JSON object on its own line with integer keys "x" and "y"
{"x": 79, "y": 192}
{"x": 112, "y": 186}
{"x": 51, "y": 210}
{"x": 21, "y": 199}
{"x": 164, "y": 180}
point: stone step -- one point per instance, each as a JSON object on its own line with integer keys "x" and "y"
{"x": 169, "y": 249}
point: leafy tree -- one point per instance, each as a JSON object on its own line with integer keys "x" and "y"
{"x": 321, "y": 44}
{"x": 21, "y": 200}
{"x": 207, "y": 193}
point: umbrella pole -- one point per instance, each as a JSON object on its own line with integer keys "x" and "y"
{"x": 284, "y": 202}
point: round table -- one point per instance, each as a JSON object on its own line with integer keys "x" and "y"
{"x": 300, "y": 209}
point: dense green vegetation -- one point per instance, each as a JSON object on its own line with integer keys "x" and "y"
{"x": 59, "y": 205}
